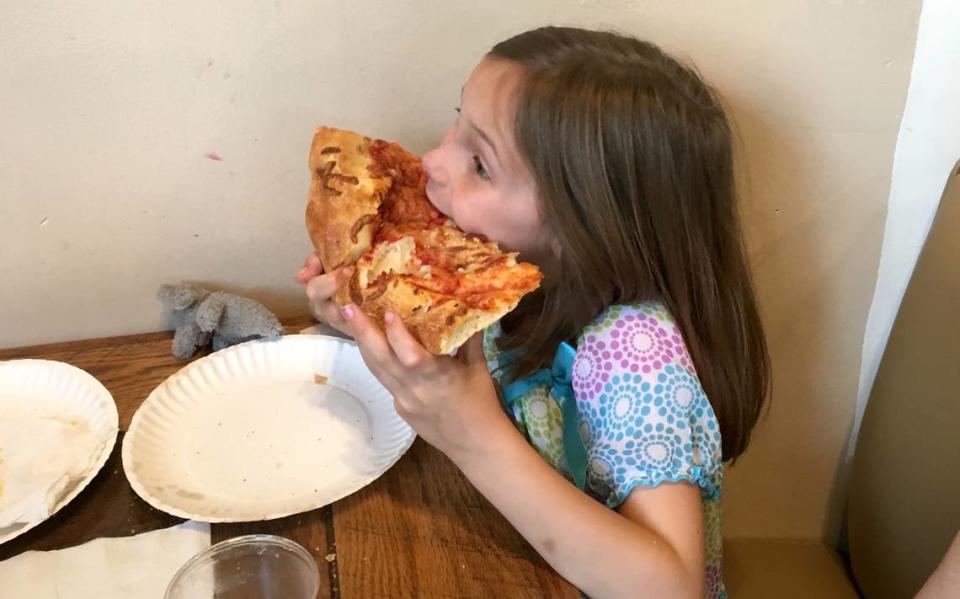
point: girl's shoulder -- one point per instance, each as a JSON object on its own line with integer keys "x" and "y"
{"x": 640, "y": 337}
{"x": 644, "y": 415}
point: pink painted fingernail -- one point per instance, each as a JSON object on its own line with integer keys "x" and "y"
{"x": 388, "y": 318}
{"x": 347, "y": 312}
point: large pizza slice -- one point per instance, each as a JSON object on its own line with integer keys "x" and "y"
{"x": 368, "y": 207}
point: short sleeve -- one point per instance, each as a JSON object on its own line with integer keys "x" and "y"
{"x": 644, "y": 416}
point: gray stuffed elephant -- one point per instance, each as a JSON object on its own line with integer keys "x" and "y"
{"x": 200, "y": 316}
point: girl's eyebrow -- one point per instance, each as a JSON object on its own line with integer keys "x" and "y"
{"x": 485, "y": 138}
{"x": 478, "y": 131}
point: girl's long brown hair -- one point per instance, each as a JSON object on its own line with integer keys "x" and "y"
{"x": 632, "y": 155}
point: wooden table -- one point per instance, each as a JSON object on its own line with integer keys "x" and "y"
{"x": 420, "y": 530}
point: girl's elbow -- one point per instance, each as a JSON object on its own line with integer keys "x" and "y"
{"x": 683, "y": 581}
{"x": 686, "y": 587}
{"x": 690, "y": 584}
{"x": 694, "y": 589}
{"x": 675, "y": 585}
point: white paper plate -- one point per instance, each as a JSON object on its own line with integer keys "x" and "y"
{"x": 247, "y": 433}
{"x": 50, "y": 389}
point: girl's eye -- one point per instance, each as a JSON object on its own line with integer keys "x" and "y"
{"x": 479, "y": 168}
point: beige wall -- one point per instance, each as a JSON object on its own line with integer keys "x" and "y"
{"x": 108, "y": 111}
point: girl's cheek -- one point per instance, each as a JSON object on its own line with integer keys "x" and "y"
{"x": 473, "y": 218}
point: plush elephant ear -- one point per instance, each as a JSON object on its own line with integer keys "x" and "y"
{"x": 209, "y": 312}
{"x": 181, "y": 296}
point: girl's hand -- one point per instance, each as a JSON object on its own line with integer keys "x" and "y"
{"x": 450, "y": 401}
{"x": 320, "y": 287}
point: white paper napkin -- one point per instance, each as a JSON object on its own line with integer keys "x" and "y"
{"x": 138, "y": 567}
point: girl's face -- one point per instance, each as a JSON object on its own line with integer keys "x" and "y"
{"x": 477, "y": 176}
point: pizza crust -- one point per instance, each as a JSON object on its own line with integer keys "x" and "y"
{"x": 343, "y": 207}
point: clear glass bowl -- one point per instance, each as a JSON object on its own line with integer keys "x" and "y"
{"x": 248, "y": 567}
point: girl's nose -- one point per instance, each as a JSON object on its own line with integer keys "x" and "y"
{"x": 433, "y": 160}
{"x": 431, "y": 164}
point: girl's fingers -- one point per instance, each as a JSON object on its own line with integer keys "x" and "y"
{"x": 471, "y": 352}
{"x": 410, "y": 353}
{"x": 322, "y": 287}
{"x": 311, "y": 268}
{"x": 329, "y": 313}
{"x": 374, "y": 346}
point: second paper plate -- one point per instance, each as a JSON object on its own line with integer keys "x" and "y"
{"x": 263, "y": 430}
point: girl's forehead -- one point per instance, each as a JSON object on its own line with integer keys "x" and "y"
{"x": 492, "y": 87}
{"x": 488, "y": 101}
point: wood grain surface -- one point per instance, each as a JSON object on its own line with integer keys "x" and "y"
{"x": 420, "y": 530}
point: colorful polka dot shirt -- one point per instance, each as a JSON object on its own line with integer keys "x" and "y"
{"x": 643, "y": 415}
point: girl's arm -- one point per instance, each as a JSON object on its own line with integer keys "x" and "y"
{"x": 652, "y": 548}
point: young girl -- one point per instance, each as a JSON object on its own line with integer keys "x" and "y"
{"x": 640, "y": 366}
